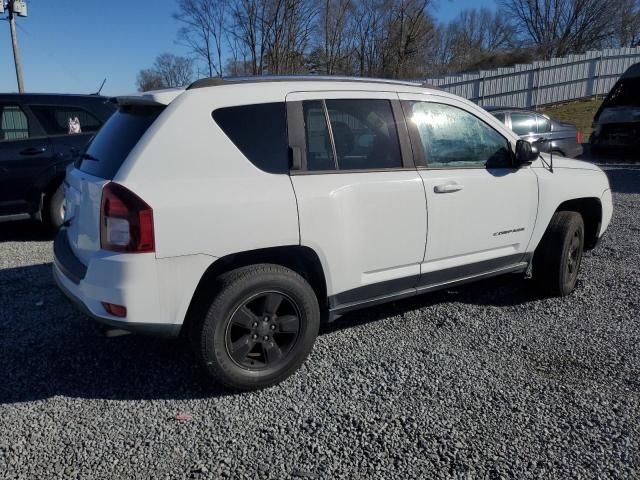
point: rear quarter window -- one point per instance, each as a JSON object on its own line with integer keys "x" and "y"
{"x": 260, "y": 132}
{"x": 110, "y": 147}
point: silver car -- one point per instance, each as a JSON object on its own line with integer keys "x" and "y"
{"x": 562, "y": 138}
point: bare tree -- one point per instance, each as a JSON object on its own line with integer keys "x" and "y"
{"x": 473, "y": 35}
{"x": 560, "y": 27}
{"x": 168, "y": 71}
{"x": 334, "y": 44}
{"x": 203, "y": 31}
{"x": 149, "y": 79}
{"x": 627, "y": 24}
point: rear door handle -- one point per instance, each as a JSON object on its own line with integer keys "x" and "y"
{"x": 447, "y": 188}
{"x": 33, "y": 151}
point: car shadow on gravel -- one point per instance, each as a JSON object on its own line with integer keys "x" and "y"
{"x": 624, "y": 180}
{"x": 501, "y": 291}
{"x": 48, "y": 348}
{"x": 24, "y": 231}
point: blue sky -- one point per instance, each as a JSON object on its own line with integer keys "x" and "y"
{"x": 71, "y": 45}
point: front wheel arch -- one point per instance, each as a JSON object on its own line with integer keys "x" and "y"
{"x": 590, "y": 208}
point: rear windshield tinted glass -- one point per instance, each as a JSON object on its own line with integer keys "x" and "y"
{"x": 624, "y": 93}
{"x": 260, "y": 133}
{"x": 113, "y": 143}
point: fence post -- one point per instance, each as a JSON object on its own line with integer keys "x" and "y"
{"x": 599, "y": 69}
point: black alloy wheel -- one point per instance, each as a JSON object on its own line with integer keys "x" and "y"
{"x": 262, "y": 331}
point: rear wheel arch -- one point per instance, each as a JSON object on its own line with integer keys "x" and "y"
{"x": 590, "y": 208}
{"x": 48, "y": 193}
{"x": 302, "y": 260}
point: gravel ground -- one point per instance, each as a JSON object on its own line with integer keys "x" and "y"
{"x": 483, "y": 381}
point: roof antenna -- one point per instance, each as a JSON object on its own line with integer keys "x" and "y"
{"x": 100, "y": 89}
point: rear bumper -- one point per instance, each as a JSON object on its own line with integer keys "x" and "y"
{"x": 129, "y": 280}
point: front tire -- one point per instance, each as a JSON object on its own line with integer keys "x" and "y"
{"x": 557, "y": 259}
{"x": 259, "y": 328}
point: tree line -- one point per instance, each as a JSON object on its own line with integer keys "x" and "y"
{"x": 382, "y": 38}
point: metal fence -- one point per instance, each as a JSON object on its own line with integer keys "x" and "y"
{"x": 543, "y": 83}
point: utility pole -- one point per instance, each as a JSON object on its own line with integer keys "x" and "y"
{"x": 20, "y": 8}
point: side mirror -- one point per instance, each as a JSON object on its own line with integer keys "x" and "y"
{"x": 525, "y": 153}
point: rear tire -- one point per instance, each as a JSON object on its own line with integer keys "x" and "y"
{"x": 557, "y": 259}
{"x": 54, "y": 209}
{"x": 259, "y": 328}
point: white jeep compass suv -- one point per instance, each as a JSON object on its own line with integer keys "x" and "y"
{"x": 243, "y": 212}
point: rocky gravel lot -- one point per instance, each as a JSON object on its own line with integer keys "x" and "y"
{"x": 483, "y": 381}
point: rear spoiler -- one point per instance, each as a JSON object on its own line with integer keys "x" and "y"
{"x": 135, "y": 101}
{"x": 153, "y": 98}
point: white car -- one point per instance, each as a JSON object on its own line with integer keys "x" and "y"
{"x": 244, "y": 212}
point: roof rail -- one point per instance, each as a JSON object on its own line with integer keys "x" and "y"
{"x": 218, "y": 81}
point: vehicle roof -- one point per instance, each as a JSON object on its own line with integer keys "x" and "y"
{"x": 48, "y": 97}
{"x": 217, "y": 81}
{"x": 166, "y": 96}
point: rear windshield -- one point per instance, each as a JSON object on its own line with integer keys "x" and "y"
{"x": 624, "y": 93}
{"x": 112, "y": 144}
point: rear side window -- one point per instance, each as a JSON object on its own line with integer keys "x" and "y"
{"x": 364, "y": 133}
{"x": 13, "y": 123}
{"x": 319, "y": 148}
{"x": 500, "y": 116}
{"x": 361, "y": 135}
{"x": 65, "y": 120}
{"x": 260, "y": 132}
{"x": 110, "y": 147}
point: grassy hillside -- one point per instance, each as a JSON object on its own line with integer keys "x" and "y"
{"x": 579, "y": 113}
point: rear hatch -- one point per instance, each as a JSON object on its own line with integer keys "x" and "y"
{"x": 102, "y": 159}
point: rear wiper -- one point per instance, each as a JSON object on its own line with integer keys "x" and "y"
{"x": 88, "y": 156}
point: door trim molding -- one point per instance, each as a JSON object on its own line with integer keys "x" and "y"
{"x": 397, "y": 289}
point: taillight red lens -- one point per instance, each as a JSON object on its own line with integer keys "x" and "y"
{"x": 126, "y": 221}
{"x": 579, "y": 136}
{"x": 115, "y": 310}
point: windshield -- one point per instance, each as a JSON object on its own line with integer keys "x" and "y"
{"x": 110, "y": 147}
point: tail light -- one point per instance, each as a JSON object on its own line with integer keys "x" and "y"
{"x": 115, "y": 310}
{"x": 579, "y": 136}
{"x": 126, "y": 221}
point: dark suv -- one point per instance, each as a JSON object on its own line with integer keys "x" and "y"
{"x": 40, "y": 134}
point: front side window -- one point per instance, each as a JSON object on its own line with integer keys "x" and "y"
{"x": 260, "y": 133}
{"x": 65, "y": 120}
{"x": 454, "y": 138}
{"x": 14, "y": 124}
{"x": 523, "y": 123}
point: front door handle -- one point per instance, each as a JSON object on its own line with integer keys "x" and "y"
{"x": 447, "y": 188}
{"x": 33, "y": 151}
